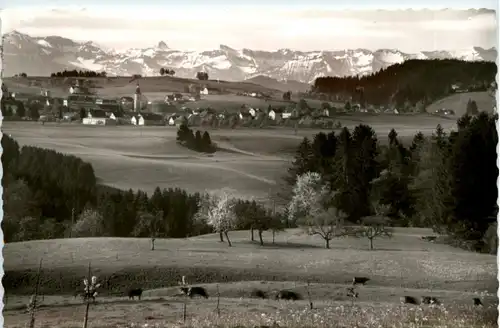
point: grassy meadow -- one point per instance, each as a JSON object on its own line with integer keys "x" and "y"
{"x": 251, "y": 161}
{"x": 403, "y": 265}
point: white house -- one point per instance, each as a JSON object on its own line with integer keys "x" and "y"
{"x": 171, "y": 121}
{"x": 286, "y": 115}
{"x": 114, "y": 116}
{"x": 252, "y": 112}
{"x": 96, "y": 117}
{"x": 204, "y": 91}
{"x": 137, "y": 120}
{"x": 244, "y": 115}
{"x": 253, "y": 94}
{"x": 272, "y": 114}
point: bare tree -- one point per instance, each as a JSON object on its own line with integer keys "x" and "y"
{"x": 309, "y": 206}
{"x": 150, "y": 225}
{"x": 328, "y": 224}
{"x": 218, "y": 210}
{"x": 375, "y": 226}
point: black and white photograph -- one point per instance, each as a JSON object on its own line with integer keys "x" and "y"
{"x": 264, "y": 164}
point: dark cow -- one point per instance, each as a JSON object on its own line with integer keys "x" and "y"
{"x": 430, "y": 300}
{"x": 477, "y": 302}
{"x": 135, "y": 292}
{"x": 257, "y": 293}
{"x": 192, "y": 291}
{"x": 287, "y": 295}
{"x": 408, "y": 300}
{"x": 359, "y": 280}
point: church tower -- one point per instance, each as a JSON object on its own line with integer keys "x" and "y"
{"x": 137, "y": 99}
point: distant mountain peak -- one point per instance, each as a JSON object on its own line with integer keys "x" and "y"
{"x": 162, "y": 45}
{"x": 224, "y": 47}
{"x": 45, "y": 55}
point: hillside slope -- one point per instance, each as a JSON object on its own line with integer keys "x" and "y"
{"x": 412, "y": 83}
{"x": 458, "y": 102}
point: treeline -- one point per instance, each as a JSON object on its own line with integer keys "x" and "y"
{"x": 446, "y": 181}
{"x": 167, "y": 71}
{"x": 412, "y": 83}
{"x": 203, "y": 76}
{"x": 75, "y": 73}
{"x": 51, "y": 195}
{"x": 195, "y": 141}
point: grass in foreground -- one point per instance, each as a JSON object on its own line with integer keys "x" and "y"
{"x": 122, "y": 262}
{"x": 251, "y": 313}
{"x": 353, "y": 316}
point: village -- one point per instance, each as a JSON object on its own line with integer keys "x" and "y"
{"x": 83, "y": 105}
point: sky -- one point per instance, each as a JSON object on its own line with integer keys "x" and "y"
{"x": 264, "y": 25}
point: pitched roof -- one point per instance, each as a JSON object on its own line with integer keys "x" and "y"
{"x": 97, "y": 113}
{"x": 151, "y": 116}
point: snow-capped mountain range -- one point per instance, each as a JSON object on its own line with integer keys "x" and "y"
{"x": 41, "y": 56}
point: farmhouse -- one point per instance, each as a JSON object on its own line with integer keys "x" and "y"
{"x": 70, "y": 116}
{"x": 78, "y": 90}
{"x": 148, "y": 119}
{"x": 97, "y": 117}
{"x": 171, "y": 120}
{"x": 444, "y": 111}
{"x": 114, "y": 115}
{"x": 152, "y": 119}
{"x": 253, "y": 111}
{"x": 204, "y": 91}
{"x": 137, "y": 119}
{"x": 180, "y": 120}
{"x": 272, "y": 114}
{"x": 245, "y": 115}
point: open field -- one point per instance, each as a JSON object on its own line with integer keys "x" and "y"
{"x": 231, "y": 103}
{"x": 403, "y": 265}
{"x": 458, "y": 102}
{"x": 146, "y": 157}
{"x": 120, "y": 86}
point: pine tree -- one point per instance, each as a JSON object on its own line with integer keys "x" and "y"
{"x": 472, "y": 107}
{"x": 473, "y": 178}
{"x": 364, "y": 163}
{"x": 303, "y": 162}
{"x": 198, "y": 142}
{"x": 207, "y": 142}
{"x": 183, "y": 133}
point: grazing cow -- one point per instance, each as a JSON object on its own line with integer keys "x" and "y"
{"x": 408, "y": 300}
{"x": 287, "y": 295}
{"x": 135, "y": 292}
{"x": 477, "y": 302}
{"x": 352, "y": 293}
{"x": 359, "y": 280}
{"x": 430, "y": 300}
{"x": 257, "y": 293}
{"x": 191, "y": 291}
